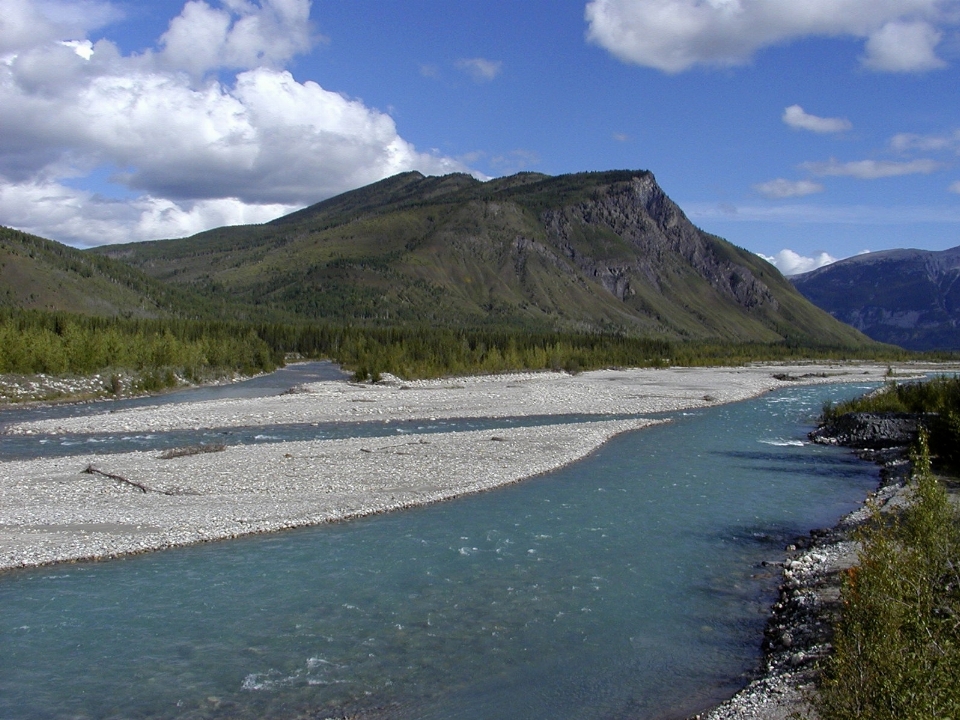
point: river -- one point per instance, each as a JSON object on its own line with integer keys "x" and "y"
{"x": 627, "y": 585}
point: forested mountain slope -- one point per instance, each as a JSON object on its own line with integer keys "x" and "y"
{"x": 589, "y": 251}
{"x": 41, "y": 274}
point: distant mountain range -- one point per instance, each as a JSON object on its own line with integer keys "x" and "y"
{"x": 589, "y": 251}
{"x": 909, "y": 298}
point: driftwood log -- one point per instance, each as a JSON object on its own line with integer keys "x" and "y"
{"x": 92, "y": 470}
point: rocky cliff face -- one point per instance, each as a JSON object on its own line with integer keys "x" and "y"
{"x": 870, "y": 430}
{"x": 909, "y": 298}
{"x": 659, "y": 233}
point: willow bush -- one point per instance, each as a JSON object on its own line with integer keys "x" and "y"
{"x": 897, "y": 644}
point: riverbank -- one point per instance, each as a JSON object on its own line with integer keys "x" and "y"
{"x": 52, "y": 511}
{"x": 18, "y": 390}
{"x": 800, "y": 627}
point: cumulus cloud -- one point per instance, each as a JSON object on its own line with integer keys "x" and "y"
{"x": 241, "y": 35}
{"x": 83, "y": 218}
{"x": 199, "y": 147}
{"x": 781, "y": 188}
{"x": 675, "y": 35}
{"x": 795, "y": 117}
{"x": 790, "y": 263}
{"x": 27, "y": 23}
{"x": 480, "y": 69}
{"x": 873, "y": 169}
{"x": 904, "y": 47}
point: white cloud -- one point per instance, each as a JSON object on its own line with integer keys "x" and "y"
{"x": 781, "y": 188}
{"x": 241, "y": 36}
{"x": 515, "y": 161}
{"x": 873, "y": 169}
{"x": 675, "y": 35}
{"x": 790, "y": 263}
{"x": 199, "y": 148}
{"x": 82, "y": 218}
{"x": 955, "y": 187}
{"x": 795, "y": 117}
{"x": 801, "y": 213}
{"x": 904, "y": 47}
{"x": 27, "y": 23}
{"x": 906, "y": 142}
{"x": 480, "y": 69}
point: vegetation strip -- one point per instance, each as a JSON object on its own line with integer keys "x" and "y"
{"x": 131, "y": 355}
{"x": 896, "y": 648}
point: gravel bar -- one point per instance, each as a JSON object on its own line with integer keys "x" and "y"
{"x": 52, "y": 510}
{"x": 90, "y": 507}
{"x": 603, "y": 392}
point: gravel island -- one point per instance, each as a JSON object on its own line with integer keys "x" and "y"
{"x": 92, "y": 507}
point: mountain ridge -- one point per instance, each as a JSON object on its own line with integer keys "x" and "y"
{"x": 41, "y": 274}
{"x": 601, "y": 251}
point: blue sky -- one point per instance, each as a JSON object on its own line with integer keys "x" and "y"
{"x": 802, "y": 130}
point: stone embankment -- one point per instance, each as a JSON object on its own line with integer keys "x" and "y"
{"x": 799, "y": 629}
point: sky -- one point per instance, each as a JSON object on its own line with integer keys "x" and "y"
{"x": 803, "y": 130}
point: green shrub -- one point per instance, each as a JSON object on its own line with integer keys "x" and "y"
{"x": 896, "y": 649}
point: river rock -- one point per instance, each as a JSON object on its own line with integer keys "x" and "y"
{"x": 870, "y": 431}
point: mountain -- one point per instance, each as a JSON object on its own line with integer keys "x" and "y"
{"x": 41, "y": 274}
{"x": 588, "y": 251}
{"x": 909, "y": 298}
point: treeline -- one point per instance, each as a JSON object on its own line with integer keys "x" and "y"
{"x": 158, "y": 350}
{"x": 62, "y": 344}
{"x": 896, "y": 649}
{"x": 435, "y": 352}
{"x": 938, "y": 398}
{"x": 430, "y": 352}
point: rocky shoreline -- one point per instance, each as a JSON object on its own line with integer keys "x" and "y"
{"x": 799, "y": 629}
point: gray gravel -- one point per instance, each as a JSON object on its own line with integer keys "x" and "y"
{"x": 601, "y": 392}
{"x": 52, "y": 511}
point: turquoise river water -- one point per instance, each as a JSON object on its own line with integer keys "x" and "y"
{"x": 627, "y": 585}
